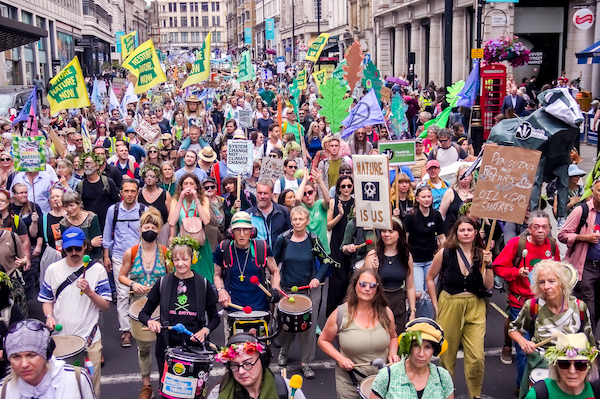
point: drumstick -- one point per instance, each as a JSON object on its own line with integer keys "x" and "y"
{"x": 245, "y": 309}
{"x": 239, "y": 187}
{"x": 304, "y": 287}
{"x": 368, "y": 242}
{"x": 292, "y": 300}
{"x": 379, "y": 363}
{"x": 254, "y": 280}
{"x": 86, "y": 261}
{"x": 552, "y": 338}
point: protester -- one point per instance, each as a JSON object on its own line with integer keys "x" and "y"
{"x": 463, "y": 189}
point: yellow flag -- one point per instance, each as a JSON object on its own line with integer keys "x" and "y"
{"x": 68, "y": 89}
{"x": 314, "y": 51}
{"x": 320, "y": 77}
{"x": 144, "y": 64}
{"x": 201, "y": 68}
{"x": 127, "y": 44}
{"x": 302, "y": 79}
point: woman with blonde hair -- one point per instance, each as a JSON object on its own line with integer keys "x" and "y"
{"x": 403, "y": 198}
{"x": 460, "y": 191}
{"x": 143, "y": 265}
{"x": 313, "y": 138}
{"x": 7, "y": 169}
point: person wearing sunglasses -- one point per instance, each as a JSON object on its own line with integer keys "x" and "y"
{"x": 366, "y": 330}
{"x": 153, "y": 157}
{"x": 215, "y": 229}
{"x": 35, "y": 372}
{"x": 557, "y": 310}
{"x": 288, "y": 180}
{"x": 81, "y": 296}
{"x": 248, "y": 375}
{"x": 317, "y": 208}
{"x": 572, "y": 367}
{"x": 7, "y": 169}
{"x": 297, "y": 251}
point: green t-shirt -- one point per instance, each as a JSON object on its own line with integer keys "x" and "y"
{"x": 295, "y": 128}
{"x": 267, "y": 96}
{"x": 333, "y": 173}
{"x": 318, "y": 223}
{"x": 554, "y": 392}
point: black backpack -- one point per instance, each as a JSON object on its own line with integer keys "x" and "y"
{"x": 116, "y": 216}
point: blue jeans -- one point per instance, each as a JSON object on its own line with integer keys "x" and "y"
{"x": 420, "y": 270}
{"x": 520, "y": 355}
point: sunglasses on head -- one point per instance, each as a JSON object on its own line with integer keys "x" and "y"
{"x": 363, "y": 284}
{"x": 71, "y": 249}
{"x": 346, "y": 186}
{"x": 310, "y": 192}
{"x": 31, "y": 324}
{"x": 580, "y": 365}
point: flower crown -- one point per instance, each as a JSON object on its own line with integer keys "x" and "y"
{"x": 153, "y": 168}
{"x": 183, "y": 240}
{"x": 553, "y": 353}
{"x": 227, "y": 353}
{"x": 92, "y": 155}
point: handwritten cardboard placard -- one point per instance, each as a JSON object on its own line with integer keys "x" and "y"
{"x": 246, "y": 118}
{"x": 372, "y": 191}
{"x": 271, "y": 168}
{"x": 505, "y": 182}
{"x": 147, "y": 131}
{"x": 386, "y": 94}
{"x": 239, "y": 156}
{"x": 29, "y": 153}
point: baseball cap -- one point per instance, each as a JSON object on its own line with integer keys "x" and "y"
{"x": 166, "y": 136}
{"x": 241, "y": 220}
{"x": 130, "y": 130}
{"x": 419, "y": 140}
{"x": 73, "y": 237}
{"x": 432, "y": 163}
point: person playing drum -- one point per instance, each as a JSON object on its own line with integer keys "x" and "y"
{"x": 414, "y": 374}
{"x": 143, "y": 265}
{"x": 73, "y": 288}
{"x": 248, "y": 374}
{"x": 35, "y": 372}
{"x": 237, "y": 261}
{"x": 297, "y": 250}
{"x": 184, "y": 297}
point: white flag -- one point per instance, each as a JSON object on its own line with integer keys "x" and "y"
{"x": 114, "y": 102}
{"x": 128, "y": 97}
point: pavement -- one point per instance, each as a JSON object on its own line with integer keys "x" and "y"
{"x": 121, "y": 380}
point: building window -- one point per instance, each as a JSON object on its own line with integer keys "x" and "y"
{"x": 214, "y": 21}
{"x": 218, "y": 20}
{"x": 197, "y": 23}
{"x": 184, "y": 37}
{"x": 170, "y": 22}
{"x": 192, "y": 21}
{"x": 164, "y": 8}
{"x": 183, "y": 22}
{"x": 164, "y": 23}
{"x": 175, "y": 22}
{"x": 205, "y": 21}
{"x": 183, "y": 7}
{"x": 170, "y": 7}
{"x": 204, "y": 34}
{"x": 217, "y": 36}
{"x": 204, "y": 6}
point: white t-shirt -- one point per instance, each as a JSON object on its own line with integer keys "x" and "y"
{"x": 270, "y": 146}
{"x": 291, "y": 184}
{"x": 447, "y": 157}
{"x": 75, "y": 312}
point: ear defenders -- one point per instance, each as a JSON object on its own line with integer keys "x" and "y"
{"x": 265, "y": 357}
{"x": 229, "y": 233}
{"x": 50, "y": 345}
{"x": 439, "y": 347}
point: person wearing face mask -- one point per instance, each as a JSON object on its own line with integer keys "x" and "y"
{"x": 143, "y": 265}
{"x": 121, "y": 231}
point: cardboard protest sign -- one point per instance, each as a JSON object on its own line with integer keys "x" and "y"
{"x": 505, "y": 182}
{"x": 372, "y": 191}
{"x": 239, "y": 156}
{"x": 246, "y": 118}
{"x": 271, "y": 168}
{"x": 29, "y": 153}
{"x": 386, "y": 94}
{"x": 399, "y": 152}
{"x": 147, "y": 131}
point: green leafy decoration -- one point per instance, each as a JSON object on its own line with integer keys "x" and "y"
{"x": 405, "y": 341}
{"x": 334, "y": 106}
{"x": 398, "y": 121}
{"x": 372, "y": 79}
{"x": 452, "y": 96}
{"x": 295, "y": 96}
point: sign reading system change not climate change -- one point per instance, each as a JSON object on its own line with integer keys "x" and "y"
{"x": 505, "y": 182}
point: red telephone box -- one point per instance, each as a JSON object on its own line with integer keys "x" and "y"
{"x": 493, "y": 78}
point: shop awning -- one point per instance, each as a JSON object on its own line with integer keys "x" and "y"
{"x": 590, "y": 55}
{"x": 15, "y": 34}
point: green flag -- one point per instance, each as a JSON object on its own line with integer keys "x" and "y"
{"x": 246, "y": 72}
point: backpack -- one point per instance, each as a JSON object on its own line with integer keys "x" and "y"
{"x": 585, "y": 211}
{"x": 116, "y": 214}
{"x": 258, "y": 250}
{"x": 523, "y": 243}
{"x": 541, "y": 389}
{"x": 282, "y": 182}
{"x": 535, "y": 307}
{"x": 135, "y": 248}
{"x": 105, "y": 186}
{"x": 455, "y": 145}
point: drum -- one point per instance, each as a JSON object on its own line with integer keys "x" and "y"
{"x": 365, "y": 387}
{"x": 537, "y": 375}
{"x": 185, "y": 374}
{"x": 240, "y": 322}
{"x": 71, "y": 349}
{"x": 136, "y": 326}
{"x": 295, "y": 317}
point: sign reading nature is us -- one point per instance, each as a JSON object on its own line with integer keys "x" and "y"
{"x": 505, "y": 182}
{"x": 30, "y": 153}
{"x": 399, "y": 152}
{"x": 372, "y": 191}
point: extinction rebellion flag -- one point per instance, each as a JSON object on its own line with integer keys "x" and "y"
{"x": 143, "y": 62}
{"x": 201, "y": 67}
{"x": 68, "y": 89}
{"x": 246, "y": 71}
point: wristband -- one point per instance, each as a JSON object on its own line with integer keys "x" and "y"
{"x": 48, "y": 316}
{"x": 219, "y": 289}
{"x": 488, "y": 267}
{"x": 131, "y": 285}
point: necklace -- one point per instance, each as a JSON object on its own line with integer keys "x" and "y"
{"x": 245, "y": 263}
{"x": 147, "y": 259}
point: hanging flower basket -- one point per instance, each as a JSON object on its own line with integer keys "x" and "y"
{"x": 506, "y": 48}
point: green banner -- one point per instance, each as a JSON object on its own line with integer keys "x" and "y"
{"x": 399, "y": 152}
{"x": 246, "y": 72}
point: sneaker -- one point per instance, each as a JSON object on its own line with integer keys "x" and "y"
{"x": 147, "y": 392}
{"x": 506, "y": 356}
{"x": 307, "y": 372}
{"x": 560, "y": 222}
{"x": 126, "y": 339}
{"x": 282, "y": 359}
